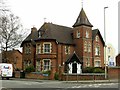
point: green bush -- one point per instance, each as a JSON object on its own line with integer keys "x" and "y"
{"x": 47, "y": 72}
{"x": 93, "y": 70}
{"x": 56, "y": 76}
{"x": 30, "y": 69}
{"x": 98, "y": 70}
{"x": 88, "y": 70}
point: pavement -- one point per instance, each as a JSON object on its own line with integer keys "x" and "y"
{"x": 81, "y": 81}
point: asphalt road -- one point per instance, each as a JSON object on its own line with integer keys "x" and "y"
{"x": 51, "y": 85}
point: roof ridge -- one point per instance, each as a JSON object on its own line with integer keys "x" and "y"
{"x": 58, "y": 25}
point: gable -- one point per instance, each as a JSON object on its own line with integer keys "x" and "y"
{"x": 30, "y": 38}
{"x": 73, "y": 58}
{"x": 95, "y": 33}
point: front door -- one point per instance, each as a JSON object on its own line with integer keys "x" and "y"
{"x": 74, "y": 68}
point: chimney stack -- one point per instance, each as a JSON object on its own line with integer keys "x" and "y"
{"x": 33, "y": 31}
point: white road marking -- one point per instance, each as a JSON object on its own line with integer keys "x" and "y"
{"x": 93, "y": 85}
{"x": 1, "y": 88}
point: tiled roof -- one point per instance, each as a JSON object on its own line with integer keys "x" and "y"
{"x": 61, "y": 34}
{"x": 31, "y": 38}
{"x": 94, "y": 33}
{"x": 82, "y": 20}
{"x": 73, "y": 57}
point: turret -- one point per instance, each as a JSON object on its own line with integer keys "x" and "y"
{"x": 82, "y": 35}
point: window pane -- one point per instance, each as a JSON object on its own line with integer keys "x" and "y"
{"x": 67, "y": 49}
{"x": 47, "y": 48}
{"x": 97, "y": 50}
{"x": 38, "y": 65}
{"x": 78, "y": 34}
{"x": 85, "y": 46}
{"x": 97, "y": 64}
{"x": 46, "y": 64}
{"x": 38, "y": 51}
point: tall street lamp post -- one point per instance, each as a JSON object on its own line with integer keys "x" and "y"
{"x": 105, "y": 43}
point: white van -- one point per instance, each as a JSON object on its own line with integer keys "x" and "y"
{"x": 6, "y": 70}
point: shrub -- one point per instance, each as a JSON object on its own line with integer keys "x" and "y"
{"x": 56, "y": 76}
{"x": 98, "y": 70}
{"x": 47, "y": 72}
{"x": 93, "y": 70}
{"x": 88, "y": 70}
{"x": 30, "y": 69}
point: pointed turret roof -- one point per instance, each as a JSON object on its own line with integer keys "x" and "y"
{"x": 82, "y": 20}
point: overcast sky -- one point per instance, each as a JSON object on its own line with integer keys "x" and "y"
{"x": 65, "y": 12}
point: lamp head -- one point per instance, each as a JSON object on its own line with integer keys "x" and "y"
{"x": 105, "y": 7}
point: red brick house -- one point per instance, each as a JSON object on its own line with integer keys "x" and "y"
{"x": 14, "y": 57}
{"x": 59, "y": 48}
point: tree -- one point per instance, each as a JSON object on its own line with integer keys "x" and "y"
{"x": 3, "y": 7}
{"x": 11, "y": 33}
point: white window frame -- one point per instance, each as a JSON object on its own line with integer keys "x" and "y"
{"x": 96, "y": 50}
{"x": 96, "y": 38}
{"x": 38, "y": 66}
{"x": 27, "y": 49}
{"x": 89, "y": 47}
{"x": 97, "y": 65}
{"x": 38, "y": 49}
{"x": 49, "y": 48}
{"x": 85, "y": 46}
{"x": 87, "y": 62}
{"x": 39, "y": 34}
{"x": 87, "y": 34}
{"x": 67, "y": 49}
{"x": 78, "y": 34}
{"x": 49, "y": 66}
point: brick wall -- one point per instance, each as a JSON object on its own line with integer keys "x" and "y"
{"x": 74, "y": 77}
{"x": 65, "y": 77}
{"x": 118, "y": 60}
{"x": 32, "y": 75}
{"x": 114, "y": 73}
{"x": 101, "y": 56}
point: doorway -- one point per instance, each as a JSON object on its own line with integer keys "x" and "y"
{"x": 74, "y": 68}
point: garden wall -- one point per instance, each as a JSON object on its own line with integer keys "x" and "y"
{"x": 32, "y": 75}
{"x": 114, "y": 73}
{"x": 86, "y": 76}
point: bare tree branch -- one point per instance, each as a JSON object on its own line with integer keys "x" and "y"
{"x": 11, "y": 31}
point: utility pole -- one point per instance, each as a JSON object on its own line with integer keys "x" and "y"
{"x": 105, "y": 43}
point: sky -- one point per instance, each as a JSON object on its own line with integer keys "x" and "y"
{"x": 65, "y": 12}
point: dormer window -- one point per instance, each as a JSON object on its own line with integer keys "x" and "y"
{"x": 39, "y": 34}
{"x": 78, "y": 34}
{"x": 78, "y": 20}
